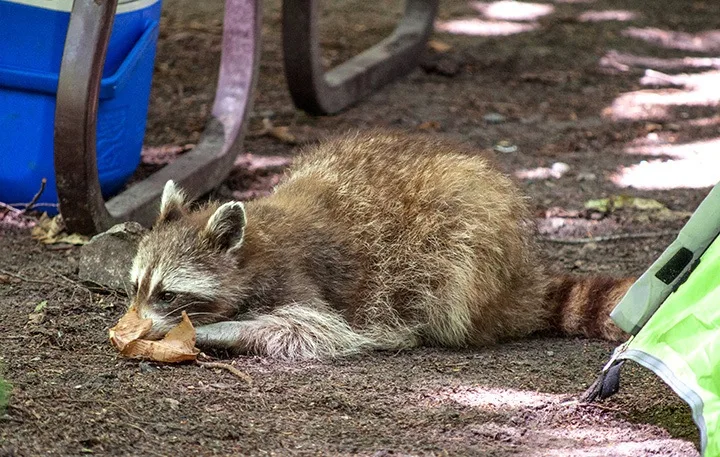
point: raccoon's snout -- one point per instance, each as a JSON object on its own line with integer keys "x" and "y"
{"x": 161, "y": 324}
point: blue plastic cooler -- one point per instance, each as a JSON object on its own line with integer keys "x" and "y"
{"x": 32, "y": 33}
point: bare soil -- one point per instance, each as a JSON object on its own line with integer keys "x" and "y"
{"x": 555, "y": 93}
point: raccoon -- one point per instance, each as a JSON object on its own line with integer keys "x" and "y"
{"x": 373, "y": 241}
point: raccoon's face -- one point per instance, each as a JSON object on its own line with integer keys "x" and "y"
{"x": 186, "y": 264}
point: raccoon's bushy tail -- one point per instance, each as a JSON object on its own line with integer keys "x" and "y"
{"x": 582, "y": 305}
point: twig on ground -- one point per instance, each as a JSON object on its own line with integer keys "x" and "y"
{"x": 25, "y": 279}
{"x": 136, "y": 427}
{"x": 73, "y": 283}
{"x": 36, "y": 197}
{"x": 137, "y": 419}
{"x": 602, "y": 407}
{"x": 600, "y": 239}
{"x": 24, "y": 410}
{"x": 68, "y": 285}
{"x": 10, "y": 208}
{"x": 225, "y": 366}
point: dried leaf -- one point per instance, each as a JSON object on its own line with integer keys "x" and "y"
{"x": 429, "y": 126}
{"x": 129, "y": 328}
{"x": 7, "y": 279}
{"x": 438, "y": 46}
{"x": 177, "y": 346}
{"x": 51, "y": 230}
{"x": 607, "y": 205}
{"x": 653, "y": 209}
{"x": 38, "y": 315}
{"x": 279, "y": 133}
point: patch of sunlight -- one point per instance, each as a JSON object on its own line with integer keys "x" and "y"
{"x": 695, "y": 173}
{"x": 699, "y": 89}
{"x": 696, "y": 81}
{"x": 686, "y": 151}
{"x": 693, "y": 166}
{"x": 704, "y": 121}
{"x": 510, "y": 10}
{"x": 479, "y": 27}
{"x": 494, "y": 398}
{"x": 617, "y": 449}
{"x": 624, "y": 62}
{"x": 608, "y": 15}
{"x": 701, "y": 42}
{"x": 556, "y": 171}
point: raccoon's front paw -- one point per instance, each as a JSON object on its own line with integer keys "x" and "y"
{"x": 221, "y": 335}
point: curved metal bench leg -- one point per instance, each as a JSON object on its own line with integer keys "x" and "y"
{"x": 197, "y": 171}
{"x": 318, "y": 92}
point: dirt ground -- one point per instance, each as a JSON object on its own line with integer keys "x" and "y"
{"x": 567, "y": 87}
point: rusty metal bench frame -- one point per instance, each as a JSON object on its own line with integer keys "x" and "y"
{"x": 319, "y": 92}
{"x": 206, "y": 165}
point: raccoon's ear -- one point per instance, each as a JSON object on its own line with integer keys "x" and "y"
{"x": 225, "y": 229}
{"x": 172, "y": 203}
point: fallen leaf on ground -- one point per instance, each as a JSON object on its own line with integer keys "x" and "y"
{"x": 177, "y": 346}
{"x": 438, "y": 46}
{"x": 281, "y": 133}
{"x": 653, "y": 208}
{"x": 7, "y": 279}
{"x": 429, "y": 126}
{"x": 38, "y": 315}
{"x": 606, "y": 205}
{"x": 51, "y": 230}
{"x": 129, "y": 328}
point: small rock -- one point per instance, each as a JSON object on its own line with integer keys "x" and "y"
{"x": 506, "y": 147}
{"x": 586, "y": 177}
{"x": 440, "y": 64}
{"x": 174, "y": 404}
{"x": 494, "y": 118}
{"x": 653, "y": 127}
{"x": 147, "y": 367}
{"x": 550, "y": 353}
{"x": 106, "y": 260}
{"x": 589, "y": 247}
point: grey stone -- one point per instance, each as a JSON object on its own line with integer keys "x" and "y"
{"x": 494, "y": 118}
{"x": 106, "y": 260}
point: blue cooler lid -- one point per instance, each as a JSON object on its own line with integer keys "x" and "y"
{"x": 124, "y": 6}
{"x": 33, "y": 33}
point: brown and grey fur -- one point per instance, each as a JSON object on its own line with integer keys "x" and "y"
{"x": 373, "y": 241}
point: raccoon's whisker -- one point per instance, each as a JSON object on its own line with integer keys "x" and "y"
{"x": 207, "y": 314}
{"x": 179, "y": 308}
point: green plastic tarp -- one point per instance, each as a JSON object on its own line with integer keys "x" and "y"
{"x": 681, "y": 344}
{"x": 673, "y": 313}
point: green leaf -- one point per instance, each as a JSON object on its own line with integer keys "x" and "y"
{"x": 40, "y": 306}
{"x": 5, "y": 389}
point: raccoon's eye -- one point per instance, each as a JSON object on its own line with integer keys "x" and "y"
{"x": 167, "y": 297}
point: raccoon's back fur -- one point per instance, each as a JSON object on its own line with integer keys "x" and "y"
{"x": 373, "y": 241}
